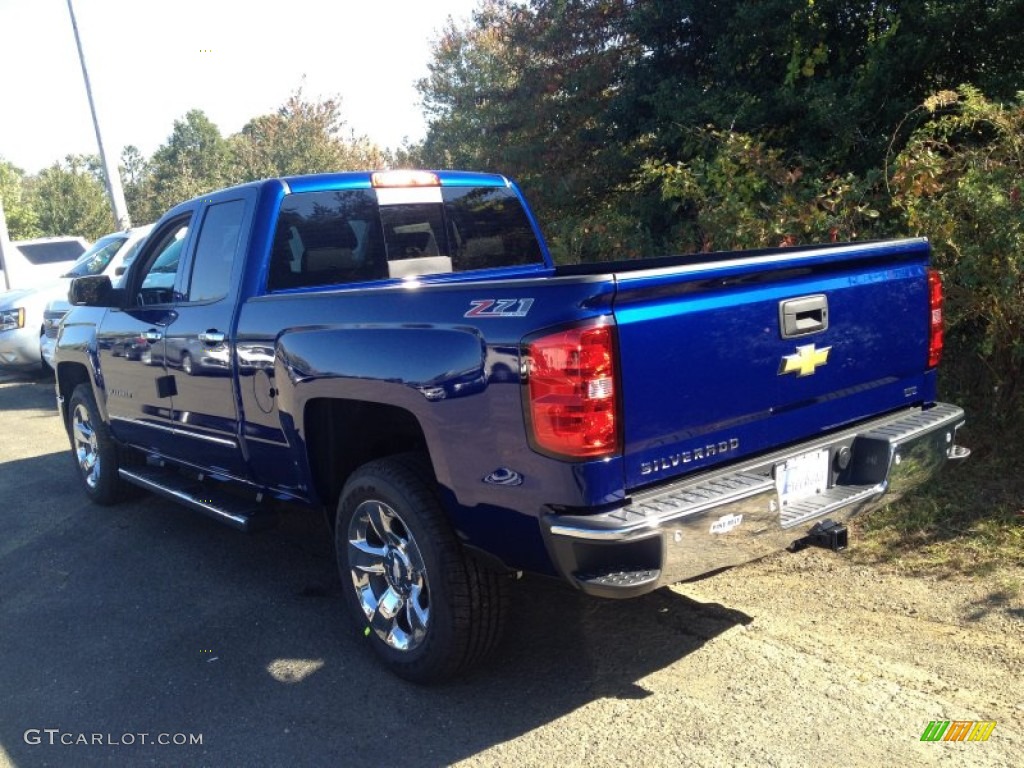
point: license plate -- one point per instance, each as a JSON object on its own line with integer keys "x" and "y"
{"x": 802, "y": 476}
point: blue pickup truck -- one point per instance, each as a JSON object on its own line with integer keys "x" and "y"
{"x": 398, "y": 349}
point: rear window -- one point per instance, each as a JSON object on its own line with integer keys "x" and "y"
{"x": 52, "y": 253}
{"x": 346, "y": 236}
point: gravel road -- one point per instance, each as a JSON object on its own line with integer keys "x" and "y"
{"x": 147, "y": 619}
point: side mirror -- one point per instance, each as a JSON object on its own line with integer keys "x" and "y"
{"x": 93, "y": 291}
{"x": 120, "y": 271}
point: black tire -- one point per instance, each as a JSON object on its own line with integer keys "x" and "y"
{"x": 45, "y": 366}
{"x": 186, "y": 364}
{"x": 96, "y": 455}
{"x": 464, "y": 600}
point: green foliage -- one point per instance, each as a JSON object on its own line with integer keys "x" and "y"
{"x": 739, "y": 193}
{"x": 610, "y": 233}
{"x": 464, "y": 96}
{"x": 194, "y": 159}
{"x": 134, "y": 171}
{"x": 826, "y": 79}
{"x": 960, "y": 180}
{"x": 525, "y": 90}
{"x": 589, "y": 103}
{"x": 300, "y": 137}
{"x": 69, "y": 199}
{"x": 22, "y": 221}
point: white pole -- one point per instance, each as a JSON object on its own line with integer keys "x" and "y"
{"x": 113, "y": 178}
{"x": 5, "y": 245}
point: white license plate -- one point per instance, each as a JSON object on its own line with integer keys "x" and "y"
{"x": 802, "y": 476}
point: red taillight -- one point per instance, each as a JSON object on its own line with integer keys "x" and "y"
{"x": 571, "y": 392}
{"x": 934, "y": 318}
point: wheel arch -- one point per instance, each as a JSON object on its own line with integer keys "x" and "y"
{"x": 68, "y": 376}
{"x": 343, "y": 435}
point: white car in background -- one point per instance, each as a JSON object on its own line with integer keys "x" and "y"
{"x": 28, "y": 263}
{"x": 22, "y": 319}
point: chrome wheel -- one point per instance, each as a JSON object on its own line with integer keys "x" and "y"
{"x": 87, "y": 450}
{"x": 186, "y": 363}
{"x": 96, "y": 455}
{"x": 389, "y": 576}
{"x": 427, "y": 608}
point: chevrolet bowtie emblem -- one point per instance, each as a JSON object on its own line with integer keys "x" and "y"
{"x": 805, "y": 361}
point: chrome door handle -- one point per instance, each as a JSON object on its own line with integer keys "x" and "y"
{"x": 212, "y": 337}
{"x": 152, "y": 335}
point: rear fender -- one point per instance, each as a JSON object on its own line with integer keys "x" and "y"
{"x": 411, "y": 367}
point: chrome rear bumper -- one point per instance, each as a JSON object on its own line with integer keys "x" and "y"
{"x": 727, "y": 517}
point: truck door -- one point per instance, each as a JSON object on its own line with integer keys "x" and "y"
{"x": 198, "y": 344}
{"x": 130, "y": 343}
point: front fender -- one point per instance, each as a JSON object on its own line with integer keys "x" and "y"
{"x": 76, "y": 351}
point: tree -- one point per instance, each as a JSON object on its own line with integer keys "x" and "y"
{"x": 195, "y": 159}
{"x": 829, "y": 80}
{"x": 576, "y": 98}
{"x": 69, "y": 199}
{"x": 135, "y": 173}
{"x": 468, "y": 96}
{"x": 22, "y": 222}
{"x": 302, "y": 137}
{"x": 525, "y": 90}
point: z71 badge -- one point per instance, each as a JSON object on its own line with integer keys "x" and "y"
{"x": 499, "y": 308}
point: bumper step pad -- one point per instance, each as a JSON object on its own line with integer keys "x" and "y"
{"x": 619, "y": 578}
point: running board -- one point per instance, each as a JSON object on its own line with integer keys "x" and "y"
{"x": 241, "y": 514}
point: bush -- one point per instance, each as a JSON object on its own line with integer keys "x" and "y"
{"x": 740, "y": 193}
{"x": 959, "y": 181}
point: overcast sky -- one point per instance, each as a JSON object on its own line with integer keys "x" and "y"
{"x": 151, "y": 61}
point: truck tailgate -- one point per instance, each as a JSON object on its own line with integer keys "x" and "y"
{"x": 742, "y": 354}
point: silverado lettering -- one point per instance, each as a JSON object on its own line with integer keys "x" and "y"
{"x": 321, "y": 342}
{"x": 685, "y": 457}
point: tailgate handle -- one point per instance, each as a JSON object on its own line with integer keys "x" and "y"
{"x": 803, "y": 316}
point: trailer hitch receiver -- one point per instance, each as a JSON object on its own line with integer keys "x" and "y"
{"x": 826, "y": 534}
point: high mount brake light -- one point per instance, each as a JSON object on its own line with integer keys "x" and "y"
{"x": 384, "y": 179}
{"x": 935, "y": 301}
{"x": 571, "y": 392}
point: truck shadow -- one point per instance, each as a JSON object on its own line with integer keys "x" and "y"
{"x": 181, "y": 625}
{"x": 26, "y": 392}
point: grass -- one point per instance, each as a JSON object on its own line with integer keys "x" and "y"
{"x": 969, "y": 521}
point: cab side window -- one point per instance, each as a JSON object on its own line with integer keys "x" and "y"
{"x": 157, "y": 286}
{"x": 327, "y": 238}
{"x": 216, "y": 251}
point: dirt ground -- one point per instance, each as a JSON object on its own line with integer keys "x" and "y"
{"x": 807, "y": 659}
{"x": 810, "y": 660}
